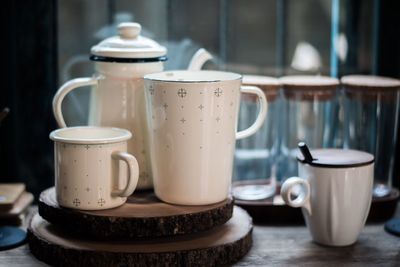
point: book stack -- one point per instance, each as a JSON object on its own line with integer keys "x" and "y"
{"x": 14, "y": 202}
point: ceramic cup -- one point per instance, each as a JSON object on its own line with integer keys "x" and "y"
{"x": 89, "y": 174}
{"x": 335, "y": 192}
{"x": 192, "y": 117}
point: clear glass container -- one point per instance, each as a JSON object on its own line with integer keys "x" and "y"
{"x": 310, "y": 115}
{"x": 371, "y": 117}
{"x": 255, "y": 156}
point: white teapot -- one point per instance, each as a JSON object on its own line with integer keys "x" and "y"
{"x": 118, "y": 97}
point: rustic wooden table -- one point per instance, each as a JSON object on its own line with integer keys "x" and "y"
{"x": 286, "y": 246}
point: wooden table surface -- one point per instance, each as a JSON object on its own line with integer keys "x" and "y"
{"x": 286, "y": 246}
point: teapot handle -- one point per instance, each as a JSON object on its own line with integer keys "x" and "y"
{"x": 63, "y": 91}
{"x": 198, "y": 59}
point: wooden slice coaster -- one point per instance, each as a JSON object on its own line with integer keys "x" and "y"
{"x": 274, "y": 211}
{"x": 383, "y": 208}
{"x": 270, "y": 210}
{"x": 223, "y": 245}
{"x": 143, "y": 215}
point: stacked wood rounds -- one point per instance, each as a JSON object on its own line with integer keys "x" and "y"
{"x": 142, "y": 232}
{"x": 142, "y": 216}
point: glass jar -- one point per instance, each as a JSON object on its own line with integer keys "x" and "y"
{"x": 310, "y": 115}
{"x": 255, "y": 156}
{"x": 371, "y": 117}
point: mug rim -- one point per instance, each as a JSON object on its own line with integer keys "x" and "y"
{"x": 343, "y": 166}
{"x": 219, "y": 76}
{"x": 120, "y": 135}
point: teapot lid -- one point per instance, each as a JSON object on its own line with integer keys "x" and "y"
{"x": 338, "y": 158}
{"x": 128, "y": 47}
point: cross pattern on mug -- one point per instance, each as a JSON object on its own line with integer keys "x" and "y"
{"x": 101, "y": 202}
{"x": 76, "y": 202}
{"x": 182, "y": 101}
{"x": 182, "y": 93}
{"x": 66, "y": 146}
{"x": 218, "y": 92}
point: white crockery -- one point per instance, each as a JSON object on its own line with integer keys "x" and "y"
{"x": 89, "y": 174}
{"x": 192, "y": 118}
{"x": 335, "y": 194}
{"x": 117, "y": 98}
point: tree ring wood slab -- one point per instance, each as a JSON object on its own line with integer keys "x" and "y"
{"x": 222, "y": 245}
{"x": 143, "y": 215}
{"x": 274, "y": 211}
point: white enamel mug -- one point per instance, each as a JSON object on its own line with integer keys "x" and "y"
{"x": 192, "y": 118}
{"x": 89, "y": 174}
{"x": 335, "y": 193}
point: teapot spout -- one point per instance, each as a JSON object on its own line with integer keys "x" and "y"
{"x": 198, "y": 59}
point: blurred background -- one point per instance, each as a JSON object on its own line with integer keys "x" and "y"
{"x": 47, "y": 43}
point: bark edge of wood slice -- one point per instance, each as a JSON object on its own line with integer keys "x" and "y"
{"x": 142, "y": 216}
{"x": 222, "y": 245}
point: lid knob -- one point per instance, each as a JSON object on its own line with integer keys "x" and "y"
{"x": 129, "y": 30}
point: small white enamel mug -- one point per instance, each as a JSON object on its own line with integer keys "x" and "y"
{"x": 335, "y": 193}
{"x": 89, "y": 174}
{"x": 192, "y": 118}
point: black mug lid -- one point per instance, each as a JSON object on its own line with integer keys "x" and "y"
{"x": 338, "y": 158}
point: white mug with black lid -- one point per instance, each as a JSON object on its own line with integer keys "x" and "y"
{"x": 335, "y": 192}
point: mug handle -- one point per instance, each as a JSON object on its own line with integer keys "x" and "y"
{"x": 133, "y": 173}
{"x": 262, "y": 114}
{"x": 303, "y": 199}
{"x": 63, "y": 91}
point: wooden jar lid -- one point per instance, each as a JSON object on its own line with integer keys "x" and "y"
{"x": 369, "y": 87}
{"x": 143, "y": 215}
{"x": 309, "y": 87}
{"x": 269, "y": 85}
{"x": 370, "y": 82}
